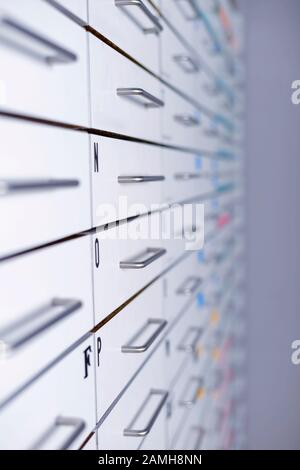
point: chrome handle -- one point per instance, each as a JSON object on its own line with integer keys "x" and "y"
{"x": 20, "y": 332}
{"x": 190, "y": 398}
{"x": 138, "y": 95}
{"x": 139, "y": 179}
{"x": 17, "y": 36}
{"x": 131, "y": 347}
{"x": 189, "y": 286}
{"x": 10, "y": 187}
{"x": 189, "y": 9}
{"x": 190, "y": 340}
{"x": 187, "y": 64}
{"x": 131, "y": 431}
{"x": 187, "y": 120}
{"x": 76, "y": 426}
{"x": 140, "y": 262}
{"x": 185, "y": 176}
{"x": 157, "y": 27}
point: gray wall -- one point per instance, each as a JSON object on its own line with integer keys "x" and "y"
{"x": 273, "y": 174}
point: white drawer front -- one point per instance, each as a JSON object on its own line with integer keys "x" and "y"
{"x": 55, "y": 412}
{"x": 158, "y": 437}
{"x": 133, "y": 27}
{"x": 46, "y": 305}
{"x": 123, "y": 266}
{"x": 127, "y": 179}
{"x": 182, "y": 65}
{"x": 45, "y": 184}
{"x": 181, "y": 123}
{"x": 193, "y": 433}
{"x": 126, "y": 341}
{"x": 76, "y": 7}
{"x": 185, "y": 125}
{"x": 187, "y": 175}
{"x": 125, "y": 98}
{"x": 186, "y": 398}
{"x": 186, "y": 341}
{"x": 179, "y": 66}
{"x": 44, "y": 68}
{"x": 182, "y": 283}
{"x": 134, "y": 417}
{"x": 182, "y": 17}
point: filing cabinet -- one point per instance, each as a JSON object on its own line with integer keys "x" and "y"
{"x": 121, "y": 244}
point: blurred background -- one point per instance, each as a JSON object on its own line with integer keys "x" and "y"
{"x": 273, "y": 170}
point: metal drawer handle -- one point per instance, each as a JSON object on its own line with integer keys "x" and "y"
{"x": 187, "y": 64}
{"x": 10, "y": 187}
{"x": 185, "y": 176}
{"x": 189, "y": 286}
{"x": 187, "y": 120}
{"x": 138, "y": 95}
{"x": 140, "y": 262}
{"x": 139, "y": 179}
{"x": 131, "y": 347}
{"x": 76, "y": 426}
{"x": 17, "y": 36}
{"x": 20, "y": 332}
{"x": 131, "y": 431}
{"x": 157, "y": 27}
{"x": 194, "y": 384}
{"x": 189, "y": 9}
{"x": 190, "y": 340}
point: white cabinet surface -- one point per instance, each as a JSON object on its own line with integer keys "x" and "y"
{"x": 121, "y": 205}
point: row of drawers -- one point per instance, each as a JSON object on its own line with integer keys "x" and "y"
{"x": 67, "y": 420}
{"x": 69, "y": 182}
{"x": 55, "y": 305}
{"x": 116, "y": 358}
{"x": 119, "y": 88}
{"x": 139, "y": 25}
